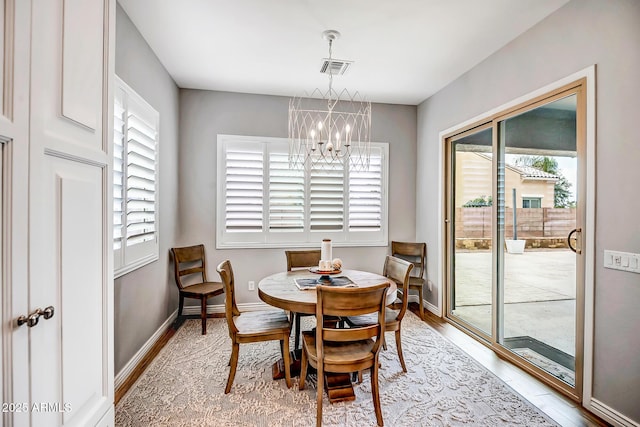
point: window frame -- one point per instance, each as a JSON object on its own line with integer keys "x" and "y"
{"x": 129, "y": 258}
{"x": 306, "y": 238}
{"x": 530, "y": 199}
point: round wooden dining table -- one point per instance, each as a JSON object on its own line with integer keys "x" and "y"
{"x": 280, "y": 290}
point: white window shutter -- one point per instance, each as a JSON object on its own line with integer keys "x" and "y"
{"x": 327, "y": 198}
{"x": 118, "y": 168}
{"x": 286, "y": 195}
{"x": 135, "y": 181}
{"x": 244, "y": 173}
{"x": 365, "y": 196}
{"x": 141, "y": 176}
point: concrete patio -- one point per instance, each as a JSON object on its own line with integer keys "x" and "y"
{"x": 539, "y": 294}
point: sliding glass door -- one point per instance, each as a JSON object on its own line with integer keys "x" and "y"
{"x": 537, "y": 269}
{"x": 472, "y": 228}
{"x": 514, "y": 233}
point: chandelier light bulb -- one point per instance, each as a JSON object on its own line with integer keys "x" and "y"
{"x": 312, "y": 134}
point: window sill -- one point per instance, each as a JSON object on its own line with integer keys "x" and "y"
{"x": 316, "y": 245}
{"x": 134, "y": 266}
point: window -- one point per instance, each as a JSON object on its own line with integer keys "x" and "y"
{"x": 135, "y": 201}
{"x": 531, "y": 202}
{"x": 263, "y": 203}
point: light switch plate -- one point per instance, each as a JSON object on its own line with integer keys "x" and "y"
{"x": 624, "y": 261}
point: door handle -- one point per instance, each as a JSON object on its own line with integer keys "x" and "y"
{"x": 574, "y": 248}
{"x": 33, "y": 319}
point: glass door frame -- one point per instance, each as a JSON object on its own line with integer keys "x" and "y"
{"x": 450, "y": 232}
{"x": 579, "y": 88}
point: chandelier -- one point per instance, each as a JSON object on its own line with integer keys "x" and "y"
{"x": 327, "y": 128}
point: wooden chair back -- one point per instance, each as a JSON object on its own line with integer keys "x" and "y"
{"x": 337, "y": 301}
{"x": 415, "y": 253}
{"x": 230, "y": 308}
{"x": 399, "y": 270}
{"x": 300, "y": 259}
{"x": 189, "y": 265}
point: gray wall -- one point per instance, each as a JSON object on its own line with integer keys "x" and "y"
{"x": 146, "y": 297}
{"x": 205, "y": 114}
{"x": 582, "y": 33}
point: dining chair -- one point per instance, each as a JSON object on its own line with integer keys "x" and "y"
{"x": 345, "y": 350}
{"x": 252, "y": 326}
{"x": 399, "y": 271}
{"x": 190, "y": 270}
{"x": 297, "y": 260}
{"x": 416, "y": 253}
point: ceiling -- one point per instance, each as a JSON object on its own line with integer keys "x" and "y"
{"x": 403, "y": 50}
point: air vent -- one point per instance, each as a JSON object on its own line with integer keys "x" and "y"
{"x": 337, "y": 67}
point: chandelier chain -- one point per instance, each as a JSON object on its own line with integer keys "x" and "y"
{"x": 330, "y": 72}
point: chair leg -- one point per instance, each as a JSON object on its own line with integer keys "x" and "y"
{"x": 180, "y": 306}
{"x": 296, "y": 331}
{"x": 420, "y": 301}
{"x": 384, "y": 342}
{"x": 287, "y": 362}
{"x": 375, "y": 392}
{"x": 234, "y": 364}
{"x": 319, "y": 394}
{"x": 303, "y": 370}
{"x": 203, "y": 314}
{"x": 399, "y": 347}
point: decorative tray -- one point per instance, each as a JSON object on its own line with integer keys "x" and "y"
{"x": 316, "y": 270}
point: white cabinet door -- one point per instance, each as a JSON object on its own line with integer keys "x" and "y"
{"x": 69, "y": 378}
{"x": 15, "y": 39}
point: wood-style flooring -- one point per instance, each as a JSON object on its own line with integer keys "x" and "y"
{"x": 562, "y": 410}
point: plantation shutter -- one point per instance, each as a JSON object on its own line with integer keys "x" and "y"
{"x": 365, "y": 196}
{"x": 262, "y": 203}
{"x": 141, "y": 174}
{"x": 135, "y": 204}
{"x": 327, "y": 198}
{"x": 244, "y": 188}
{"x": 118, "y": 167}
{"x": 286, "y": 194}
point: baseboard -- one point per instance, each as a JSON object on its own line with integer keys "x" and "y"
{"x": 432, "y": 308}
{"x": 126, "y": 371}
{"x": 610, "y": 415}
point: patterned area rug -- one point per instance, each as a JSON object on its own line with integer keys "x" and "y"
{"x": 184, "y": 386}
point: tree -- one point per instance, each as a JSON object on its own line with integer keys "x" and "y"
{"x": 479, "y": 202}
{"x": 561, "y": 189}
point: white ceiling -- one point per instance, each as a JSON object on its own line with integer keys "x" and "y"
{"x": 404, "y": 50}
